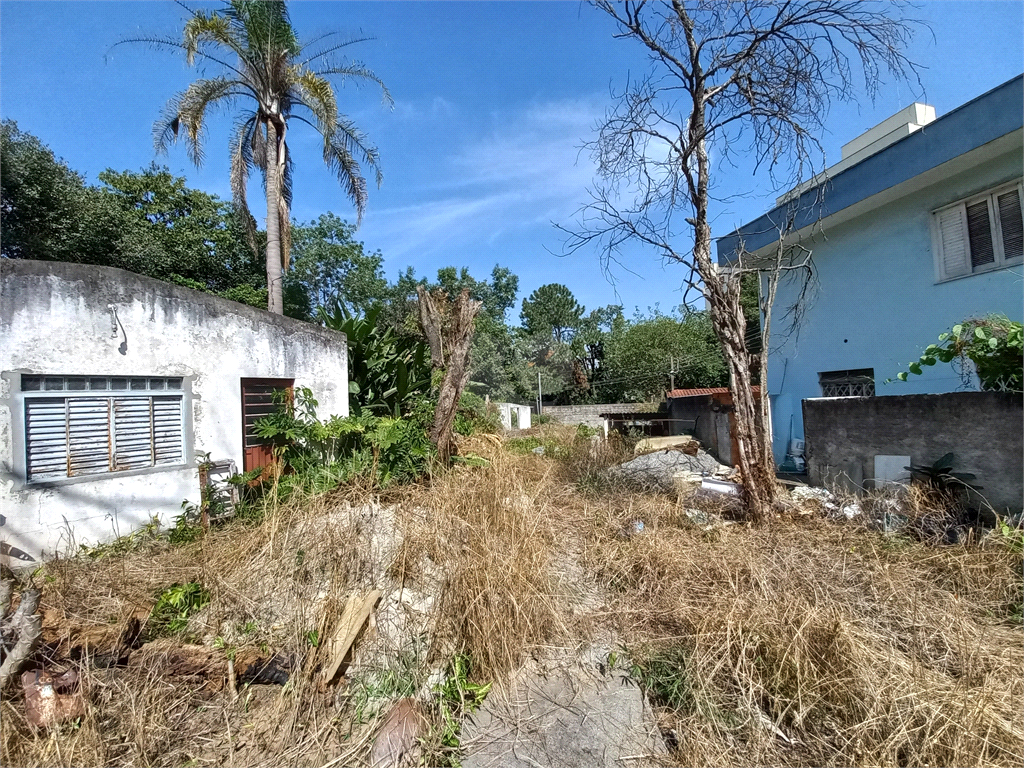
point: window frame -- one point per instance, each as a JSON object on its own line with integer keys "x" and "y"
{"x": 20, "y": 399}
{"x": 995, "y": 225}
{"x": 850, "y": 374}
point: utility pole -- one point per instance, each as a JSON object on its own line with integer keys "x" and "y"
{"x": 672, "y": 373}
{"x": 540, "y": 396}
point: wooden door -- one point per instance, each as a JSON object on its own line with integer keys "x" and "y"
{"x": 257, "y": 402}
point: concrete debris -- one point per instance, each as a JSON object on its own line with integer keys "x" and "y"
{"x": 657, "y": 469}
{"x": 683, "y": 443}
{"x": 822, "y": 496}
{"x": 566, "y": 718}
{"x": 51, "y": 700}
{"x": 851, "y": 511}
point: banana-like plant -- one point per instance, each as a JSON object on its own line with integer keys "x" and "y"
{"x": 387, "y": 372}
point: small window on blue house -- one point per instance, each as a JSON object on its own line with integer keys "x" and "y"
{"x": 980, "y": 233}
{"x": 853, "y": 383}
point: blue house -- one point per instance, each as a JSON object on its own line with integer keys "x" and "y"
{"x": 917, "y": 228}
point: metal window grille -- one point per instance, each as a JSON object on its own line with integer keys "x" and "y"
{"x": 84, "y": 433}
{"x": 858, "y": 383}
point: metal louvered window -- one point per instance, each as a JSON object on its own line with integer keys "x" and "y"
{"x": 980, "y": 234}
{"x": 71, "y": 430}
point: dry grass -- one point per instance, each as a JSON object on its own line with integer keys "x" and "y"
{"x": 803, "y": 642}
{"x": 820, "y": 643}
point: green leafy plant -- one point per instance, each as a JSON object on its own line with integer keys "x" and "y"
{"x": 474, "y": 417}
{"x": 122, "y": 545}
{"x": 940, "y": 475}
{"x": 664, "y": 675}
{"x": 175, "y": 605}
{"x": 993, "y": 344}
{"x": 388, "y": 372}
{"x": 324, "y": 454}
{"x": 457, "y": 697}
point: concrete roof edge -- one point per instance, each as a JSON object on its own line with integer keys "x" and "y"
{"x": 74, "y": 272}
{"x": 809, "y": 204}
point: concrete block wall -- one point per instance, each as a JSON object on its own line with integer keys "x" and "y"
{"x": 983, "y": 430}
{"x": 591, "y": 414}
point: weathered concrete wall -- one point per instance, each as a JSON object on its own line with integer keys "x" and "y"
{"x": 54, "y": 319}
{"x": 982, "y": 429}
{"x": 694, "y": 416}
{"x": 591, "y": 414}
{"x": 522, "y": 415}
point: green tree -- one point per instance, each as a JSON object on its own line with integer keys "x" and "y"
{"x": 40, "y": 199}
{"x": 640, "y": 354}
{"x": 552, "y": 311}
{"x": 189, "y": 233}
{"x": 272, "y": 73}
{"x": 330, "y": 265}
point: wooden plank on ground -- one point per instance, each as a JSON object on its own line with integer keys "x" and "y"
{"x": 353, "y": 618}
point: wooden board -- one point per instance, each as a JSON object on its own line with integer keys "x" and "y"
{"x": 353, "y": 618}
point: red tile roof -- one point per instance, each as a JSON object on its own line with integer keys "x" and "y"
{"x": 676, "y": 393}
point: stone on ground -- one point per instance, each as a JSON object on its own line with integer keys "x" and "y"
{"x": 571, "y": 717}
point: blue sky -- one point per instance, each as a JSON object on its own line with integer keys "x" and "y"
{"x": 482, "y": 151}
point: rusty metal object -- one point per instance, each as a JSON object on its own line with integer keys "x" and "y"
{"x": 51, "y": 700}
{"x": 397, "y": 744}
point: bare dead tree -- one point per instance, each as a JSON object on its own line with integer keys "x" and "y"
{"x": 751, "y": 75}
{"x": 448, "y": 327}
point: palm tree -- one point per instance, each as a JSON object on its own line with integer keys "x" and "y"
{"x": 267, "y": 69}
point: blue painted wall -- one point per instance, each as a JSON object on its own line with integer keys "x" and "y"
{"x": 875, "y": 303}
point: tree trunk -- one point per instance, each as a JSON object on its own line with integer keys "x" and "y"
{"x": 275, "y": 275}
{"x": 449, "y": 352}
{"x": 722, "y": 294}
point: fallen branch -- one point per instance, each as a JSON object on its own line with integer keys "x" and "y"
{"x": 22, "y": 630}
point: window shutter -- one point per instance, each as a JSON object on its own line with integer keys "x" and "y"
{"x": 46, "y": 437}
{"x": 133, "y": 433}
{"x": 88, "y": 435}
{"x": 167, "y": 424}
{"x": 1011, "y": 224}
{"x": 953, "y": 236}
{"x": 979, "y": 230}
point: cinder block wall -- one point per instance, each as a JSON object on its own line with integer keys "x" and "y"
{"x": 590, "y": 414}
{"x": 983, "y": 430}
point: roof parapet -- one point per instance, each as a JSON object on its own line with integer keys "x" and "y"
{"x": 874, "y": 140}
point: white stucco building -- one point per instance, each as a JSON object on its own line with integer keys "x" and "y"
{"x": 111, "y": 384}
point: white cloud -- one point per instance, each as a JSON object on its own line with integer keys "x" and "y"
{"x": 527, "y": 171}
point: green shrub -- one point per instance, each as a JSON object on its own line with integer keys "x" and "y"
{"x": 325, "y": 454}
{"x": 175, "y": 605}
{"x": 473, "y": 416}
{"x": 993, "y": 344}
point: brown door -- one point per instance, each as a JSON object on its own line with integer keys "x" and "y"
{"x": 257, "y": 402}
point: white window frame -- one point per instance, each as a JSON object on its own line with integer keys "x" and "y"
{"x": 1000, "y": 261}
{"x": 104, "y": 400}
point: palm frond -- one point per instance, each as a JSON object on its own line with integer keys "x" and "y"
{"x": 192, "y": 105}
{"x": 341, "y": 162}
{"x": 331, "y": 49}
{"x": 316, "y": 94}
{"x": 241, "y": 164}
{"x": 208, "y": 28}
{"x": 265, "y": 25}
{"x": 359, "y": 72}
